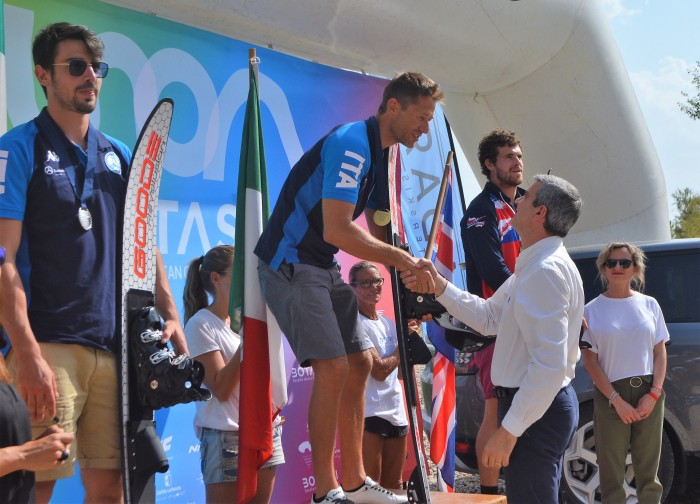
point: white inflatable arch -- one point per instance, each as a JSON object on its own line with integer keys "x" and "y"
{"x": 548, "y": 69}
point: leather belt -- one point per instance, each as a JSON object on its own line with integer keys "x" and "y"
{"x": 503, "y": 392}
{"x": 634, "y": 381}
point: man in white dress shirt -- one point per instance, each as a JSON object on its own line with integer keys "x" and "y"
{"x": 537, "y": 315}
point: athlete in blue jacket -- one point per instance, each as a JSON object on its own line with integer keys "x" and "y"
{"x": 314, "y": 217}
{"x": 491, "y": 246}
{"x": 60, "y": 221}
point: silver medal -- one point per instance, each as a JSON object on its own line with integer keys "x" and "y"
{"x": 85, "y": 218}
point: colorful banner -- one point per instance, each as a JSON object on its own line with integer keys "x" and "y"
{"x": 421, "y": 174}
{"x": 3, "y": 81}
{"x": 207, "y": 77}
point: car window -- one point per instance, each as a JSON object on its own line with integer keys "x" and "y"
{"x": 671, "y": 278}
{"x": 589, "y": 274}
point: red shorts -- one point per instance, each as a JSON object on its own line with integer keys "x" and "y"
{"x": 483, "y": 361}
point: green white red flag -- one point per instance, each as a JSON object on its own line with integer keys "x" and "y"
{"x": 263, "y": 389}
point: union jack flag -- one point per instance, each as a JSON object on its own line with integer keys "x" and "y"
{"x": 442, "y": 434}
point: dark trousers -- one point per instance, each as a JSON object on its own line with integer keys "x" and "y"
{"x": 534, "y": 471}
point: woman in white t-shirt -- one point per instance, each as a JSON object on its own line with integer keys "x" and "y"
{"x": 386, "y": 427}
{"x": 212, "y": 342}
{"x": 627, "y": 361}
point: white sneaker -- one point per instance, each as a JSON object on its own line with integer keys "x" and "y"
{"x": 372, "y": 493}
{"x": 335, "y": 496}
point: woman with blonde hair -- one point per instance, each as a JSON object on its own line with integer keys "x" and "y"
{"x": 627, "y": 362}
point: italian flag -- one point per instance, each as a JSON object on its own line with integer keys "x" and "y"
{"x": 263, "y": 383}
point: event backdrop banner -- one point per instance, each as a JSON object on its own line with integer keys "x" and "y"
{"x": 207, "y": 76}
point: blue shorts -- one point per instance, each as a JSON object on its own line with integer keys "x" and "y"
{"x": 277, "y": 451}
{"x": 219, "y": 454}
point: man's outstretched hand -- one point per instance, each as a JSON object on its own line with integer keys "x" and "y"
{"x": 415, "y": 278}
{"x": 422, "y": 280}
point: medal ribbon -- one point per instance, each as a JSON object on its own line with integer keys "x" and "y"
{"x": 66, "y": 154}
{"x": 375, "y": 148}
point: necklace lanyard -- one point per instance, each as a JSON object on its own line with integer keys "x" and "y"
{"x": 506, "y": 201}
{"x": 381, "y": 173}
{"x": 66, "y": 154}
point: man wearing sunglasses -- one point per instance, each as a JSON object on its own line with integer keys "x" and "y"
{"x": 536, "y": 315}
{"x": 60, "y": 220}
{"x": 328, "y": 188}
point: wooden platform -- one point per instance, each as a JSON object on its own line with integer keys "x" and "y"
{"x": 460, "y": 498}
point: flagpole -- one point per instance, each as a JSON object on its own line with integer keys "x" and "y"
{"x": 255, "y": 444}
{"x": 253, "y": 64}
{"x": 457, "y": 172}
{"x": 438, "y": 207}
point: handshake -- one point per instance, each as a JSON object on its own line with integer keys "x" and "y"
{"x": 424, "y": 306}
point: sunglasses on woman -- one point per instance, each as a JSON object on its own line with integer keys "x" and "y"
{"x": 77, "y": 67}
{"x": 624, "y": 263}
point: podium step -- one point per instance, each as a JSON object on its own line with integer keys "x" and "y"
{"x": 460, "y": 498}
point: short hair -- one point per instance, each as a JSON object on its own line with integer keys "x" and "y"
{"x": 489, "y": 145}
{"x": 563, "y": 202}
{"x": 45, "y": 46}
{"x": 357, "y": 267}
{"x": 46, "y": 42}
{"x": 639, "y": 260}
{"x": 408, "y": 87}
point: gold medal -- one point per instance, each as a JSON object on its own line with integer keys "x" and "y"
{"x": 382, "y": 217}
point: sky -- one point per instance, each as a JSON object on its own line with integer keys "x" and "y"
{"x": 660, "y": 42}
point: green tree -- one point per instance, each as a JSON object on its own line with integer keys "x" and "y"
{"x": 687, "y": 223}
{"x": 692, "y": 105}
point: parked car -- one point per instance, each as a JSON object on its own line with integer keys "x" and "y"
{"x": 673, "y": 278}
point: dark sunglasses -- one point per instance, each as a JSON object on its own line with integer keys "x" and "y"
{"x": 77, "y": 67}
{"x": 624, "y": 263}
{"x": 366, "y": 284}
